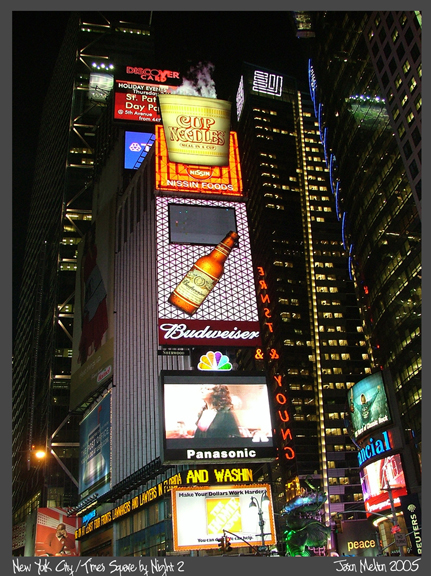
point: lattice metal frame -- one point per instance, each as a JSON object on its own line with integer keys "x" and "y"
{"x": 234, "y": 297}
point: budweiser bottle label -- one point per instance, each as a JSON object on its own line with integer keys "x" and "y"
{"x": 196, "y": 286}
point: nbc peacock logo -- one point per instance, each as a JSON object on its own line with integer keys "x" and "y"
{"x": 214, "y": 361}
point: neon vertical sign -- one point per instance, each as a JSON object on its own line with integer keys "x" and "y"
{"x": 280, "y": 395}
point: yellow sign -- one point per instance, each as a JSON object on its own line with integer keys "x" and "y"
{"x": 223, "y": 514}
{"x": 197, "y": 129}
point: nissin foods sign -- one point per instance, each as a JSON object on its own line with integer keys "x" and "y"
{"x": 195, "y": 178}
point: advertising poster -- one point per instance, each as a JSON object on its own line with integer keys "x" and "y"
{"x": 228, "y": 314}
{"x": 359, "y": 538}
{"x": 136, "y": 147}
{"x": 376, "y": 477}
{"x": 95, "y": 449}
{"x": 412, "y": 511}
{"x": 93, "y": 330}
{"x": 195, "y": 178}
{"x": 197, "y": 129}
{"x": 216, "y": 418}
{"x": 55, "y": 533}
{"x": 368, "y": 405}
{"x": 136, "y": 90}
{"x": 137, "y": 101}
{"x": 201, "y": 514}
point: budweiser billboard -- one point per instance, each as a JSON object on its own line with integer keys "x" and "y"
{"x": 194, "y": 333}
{"x": 220, "y": 305}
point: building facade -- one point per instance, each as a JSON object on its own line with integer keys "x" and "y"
{"x": 366, "y": 74}
{"x": 314, "y": 345}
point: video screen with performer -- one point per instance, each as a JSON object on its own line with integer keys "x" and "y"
{"x": 216, "y": 417}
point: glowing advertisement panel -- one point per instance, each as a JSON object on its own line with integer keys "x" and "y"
{"x": 368, "y": 405}
{"x": 228, "y": 315}
{"x": 198, "y": 178}
{"x": 197, "y": 129}
{"x": 93, "y": 330}
{"x": 217, "y": 417}
{"x": 137, "y": 101}
{"x": 377, "y": 476}
{"x": 55, "y": 533}
{"x": 95, "y": 449}
{"x": 199, "y": 516}
{"x": 136, "y": 147}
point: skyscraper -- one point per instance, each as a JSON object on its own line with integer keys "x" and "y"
{"x": 314, "y": 347}
{"x": 366, "y": 72}
{"x": 60, "y": 214}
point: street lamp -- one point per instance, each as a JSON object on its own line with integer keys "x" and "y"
{"x": 253, "y": 504}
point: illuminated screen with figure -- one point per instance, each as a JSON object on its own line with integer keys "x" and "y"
{"x": 377, "y": 477}
{"x": 368, "y": 405}
{"x": 216, "y": 418}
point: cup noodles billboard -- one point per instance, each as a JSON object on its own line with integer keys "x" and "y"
{"x": 194, "y": 178}
{"x": 186, "y": 230}
{"x": 197, "y": 129}
{"x": 200, "y": 515}
{"x": 374, "y": 481}
{"x": 368, "y": 405}
{"x": 215, "y": 418}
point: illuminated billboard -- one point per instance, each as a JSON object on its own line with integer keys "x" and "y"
{"x": 93, "y": 330}
{"x": 228, "y": 315}
{"x": 200, "y": 515}
{"x": 198, "y": 178}
{"x": 190, "y": 224}
{"x": 136, "y": 90}
{"x": 95, "y": 449}
{"x": 376, "y": 477}
{"x": 368, "y": 405}
{"x": 196, "y": 129}
{"x": 217, "y": 417}
{"x": 55, "y": 533}
{"x": 136, "y": 147}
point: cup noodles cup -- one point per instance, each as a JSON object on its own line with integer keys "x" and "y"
{"x": 196, "y": 129}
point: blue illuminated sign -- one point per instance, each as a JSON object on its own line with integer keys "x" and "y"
{"x": 375, "y": 447}
{"x": 136, "y": 147}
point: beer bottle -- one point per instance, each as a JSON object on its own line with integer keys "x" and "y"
{"x": 202, "y": 277}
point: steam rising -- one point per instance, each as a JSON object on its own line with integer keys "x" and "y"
{"x": 199, "y": 82}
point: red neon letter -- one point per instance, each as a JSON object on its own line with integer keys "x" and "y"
{"x": 278, "y": 380}
{"x": 281, "y": 398}
{"x": 285, "y": 414}
{"x": 261, "y": 271}
{"x": 291, "y": 452}
{"x": 286, "y": 434}
{"x": 265, "y": 298}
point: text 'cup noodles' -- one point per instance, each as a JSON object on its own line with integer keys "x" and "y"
{"x": 196, "y": 129}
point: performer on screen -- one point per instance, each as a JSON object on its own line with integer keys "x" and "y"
{"x": 217, "y": 418}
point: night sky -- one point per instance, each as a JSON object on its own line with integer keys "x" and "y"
{"x": 183, "y": 39}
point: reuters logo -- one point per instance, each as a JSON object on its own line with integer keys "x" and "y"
{"x": 199, "y": 173}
